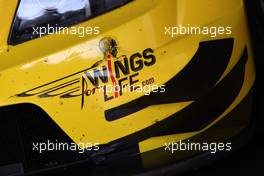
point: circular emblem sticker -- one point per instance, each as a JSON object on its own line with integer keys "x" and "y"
{"x": 108, "y": 45}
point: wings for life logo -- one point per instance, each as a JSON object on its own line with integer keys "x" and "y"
{"x": 116, "y": 70}
{"x": 122, "y": 71}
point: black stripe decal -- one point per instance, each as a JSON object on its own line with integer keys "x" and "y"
{"x": 196, "y": 79}
{"x": 196, "y": 116}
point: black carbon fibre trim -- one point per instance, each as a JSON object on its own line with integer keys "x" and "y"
{"x": 152, "y": 162}
{"x": 231, "y": 126}
{"x": 195, "y": 80}
{"x": 21, "y": 126}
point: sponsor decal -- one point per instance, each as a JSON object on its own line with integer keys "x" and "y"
{"x": 118, "y": 71}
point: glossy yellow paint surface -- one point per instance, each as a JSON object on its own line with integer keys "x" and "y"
{"x": 136, "y": 26}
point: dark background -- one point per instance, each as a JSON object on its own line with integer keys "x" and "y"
{"x": 249, "y": 159}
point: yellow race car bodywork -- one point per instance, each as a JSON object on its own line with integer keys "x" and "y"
{"x": 53, "y": 72}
